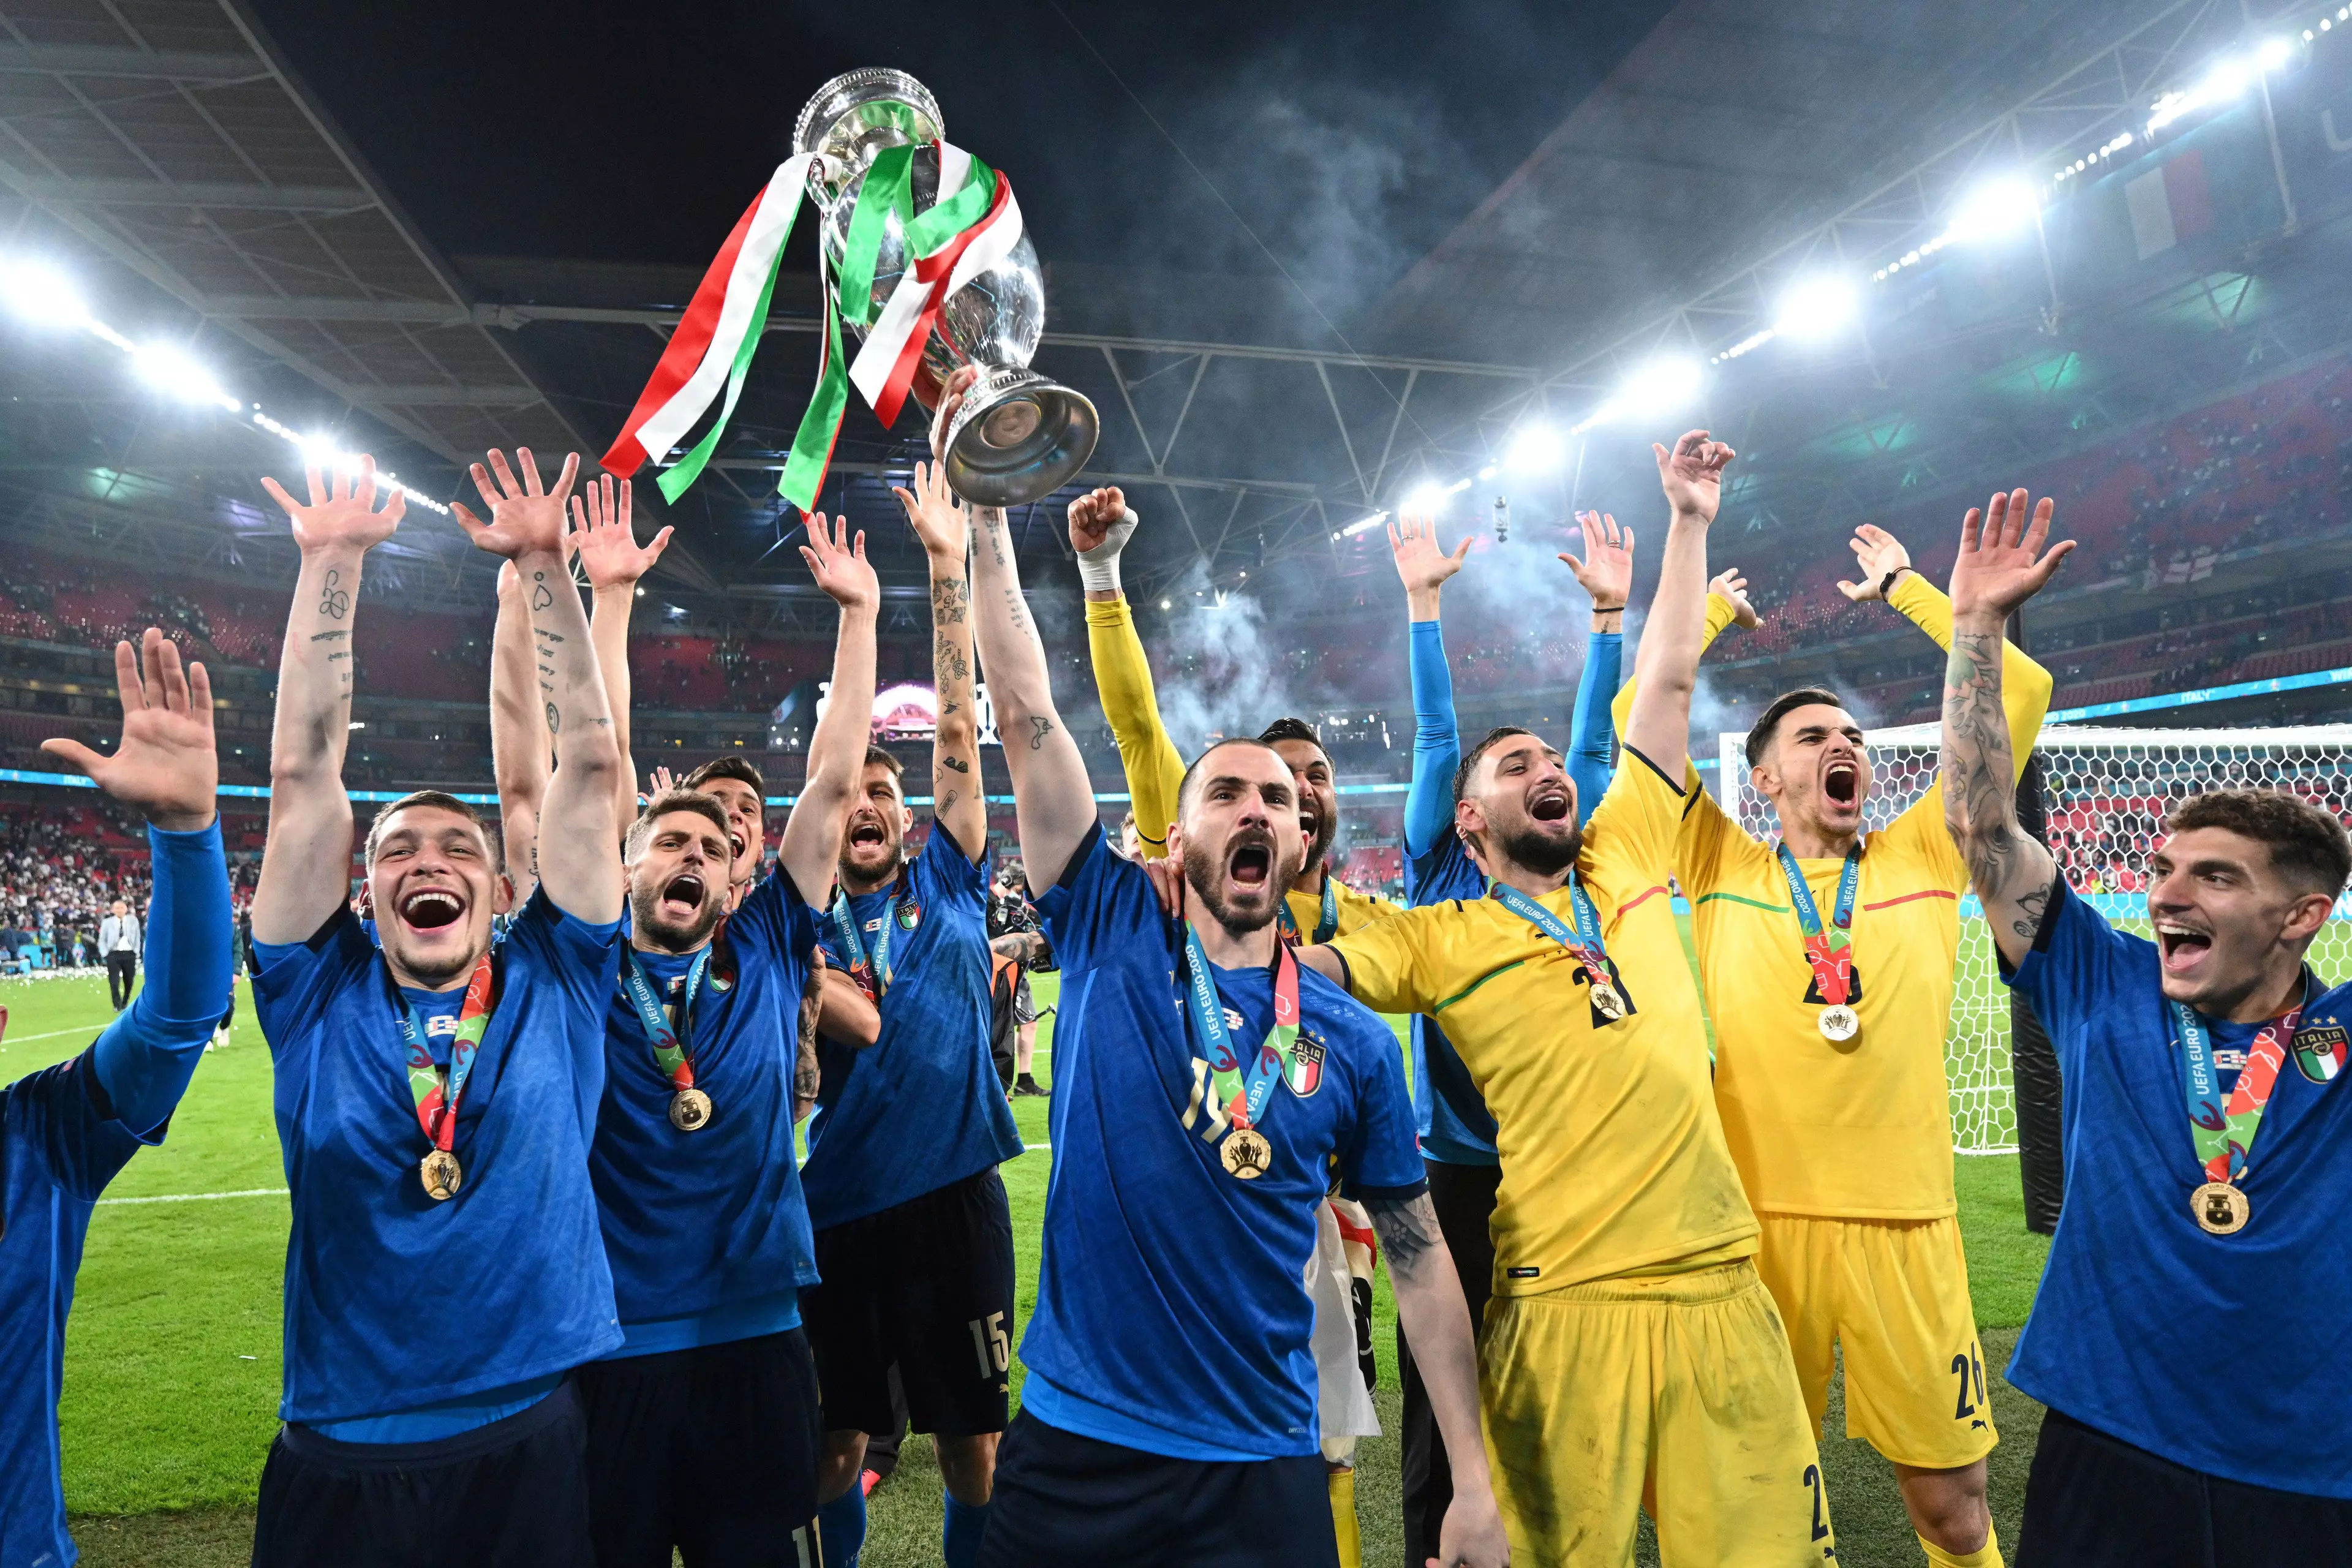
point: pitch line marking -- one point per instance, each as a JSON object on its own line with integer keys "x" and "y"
{"x": 199, "y": 1197}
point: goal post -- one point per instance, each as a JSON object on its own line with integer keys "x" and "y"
{"x": 2105, "y": 793}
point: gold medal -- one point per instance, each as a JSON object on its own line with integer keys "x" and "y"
{"x": 1839, "y": 1023}
{"x": 440, "y": 1173}
{"x": 2220, "y": 1208}
{"x": 1608, "y": 1000}
{"x": 690, "y": 1109}
{"x": 1246, "y": 1153}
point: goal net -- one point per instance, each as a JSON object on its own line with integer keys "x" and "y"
{"x": 2106, "y": 793}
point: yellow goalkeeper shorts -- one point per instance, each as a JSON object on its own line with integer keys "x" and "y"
{"x": 1670, "y": 1392}
{"x": 1893, "y": 1294}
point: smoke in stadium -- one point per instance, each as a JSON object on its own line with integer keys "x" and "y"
{"x": 647, "y": 664}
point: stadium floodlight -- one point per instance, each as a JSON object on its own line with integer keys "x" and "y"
{"x": 1427, "y": 497}
{"x": 1816, "y": 307}
{"x": 1995, "y": 210}
{"x": 2275, "y": 54}
{"x": 173, "y": 371}
{"x": 39, "y": 292}
{"x": 1536, "y": 448}
{"x": 1659, "y": 385}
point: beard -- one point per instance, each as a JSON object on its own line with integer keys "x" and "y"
{"x": 645, "y": 911}
{"x": 1326, "y": 828}
{"x": 1542, "y": 853}
{"x": 1206, "y": 878}
{"x": 432, "y": 974}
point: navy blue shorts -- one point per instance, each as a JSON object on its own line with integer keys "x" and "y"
{"x": 711, "y": 1451}
{"x": 2096, "y": 1501}
{"x": 513, "y": 1494}
{"x": 1063, "y": 1500}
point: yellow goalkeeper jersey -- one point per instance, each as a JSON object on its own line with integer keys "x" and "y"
{"x": 1860, "y": 1128}
{"x": 1613, "y": 1161}
{"x": 1155, "y": 769}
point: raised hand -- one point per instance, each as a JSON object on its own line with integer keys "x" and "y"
{"x": 1692, "y": 474}
{"x": 1606, "y": 571}
{"x": 934, "y": 514}
{"x": 951, "y": 397}
{"x": 603, "y": 532}
{"x": 1876, "y": 553}
{"x": 525, "y": 518}
{"x": 661, "y": 780}
{"x": 166, "y": 764}
{"x": 1095, "y": 515}
{"x": 837, "y": 560}
{"x": 1733, "y": 588}
{"x": 1420, "y": 562}
{"x": 340, "y": 517}
{"x": 2002, "y": 562}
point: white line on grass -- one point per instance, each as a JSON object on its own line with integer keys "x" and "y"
{"x": 93, "y": 1030}
{"x": 199, "y": 1197}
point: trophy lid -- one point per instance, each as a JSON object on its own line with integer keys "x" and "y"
{"x": 859, "y": 113}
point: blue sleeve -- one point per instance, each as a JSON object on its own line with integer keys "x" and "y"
{"x": 146, "y": 1057}
{"x": 1437, "y": 742}
{"x": 1382, "y": 1157}
{"x": 62, "y": 1117}
{"x": 2078, "y": 965}
{"x": 945, "y": 873}
{"x": 773, "y": 915}
{"x": 1103, "y": 903}
{"x": 582, "y": 957}
{"x": 1590, "y": 737}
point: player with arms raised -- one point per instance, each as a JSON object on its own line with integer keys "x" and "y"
{"x": 66, "y": 1129}
{"x": 1169, "y": 1411}
{"x": 1630, "y": 1353}
{"x": 2185, "y": 1334}
{"x": 436, "y": 1099}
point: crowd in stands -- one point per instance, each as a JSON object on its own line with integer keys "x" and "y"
{"x": 60, "y": 867}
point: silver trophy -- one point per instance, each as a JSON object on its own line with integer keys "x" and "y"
{"x": 1018, "y": 437}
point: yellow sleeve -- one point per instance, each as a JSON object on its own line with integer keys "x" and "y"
{"x": 1149, "y": 758}
{"x": 1720, "y": 614}
{"x": 1630, "y": 841}
{"x": 1706, "y": 831}
{"x": 1397, "y": 966}
{"x": 2025, "y": 690}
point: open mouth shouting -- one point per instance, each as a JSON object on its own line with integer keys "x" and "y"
{"x": 2183, "y": 946}
{"x": 1249, "y": 865}
{"x": 430, "y": 908}
{"x": 1550, "y": 803}
{"x": 681, "y": 899}
{"x": 1842, "y": 782}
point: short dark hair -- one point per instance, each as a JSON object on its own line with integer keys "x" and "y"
{"x": 1760, "y": 738}
{"x": 704, "y": 806}
{"x": 1184, "y": 789}
{"x": 440, "y": 800}
{"x": 881, "y": 755}
{"x": 742, "y": 769}
{"x": 1288, "y": 729}
{"x": 2308, "y": 843}
{"x": 1477, "y": 753}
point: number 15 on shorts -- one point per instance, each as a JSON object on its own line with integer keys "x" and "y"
{"x": 990, "y": 1347}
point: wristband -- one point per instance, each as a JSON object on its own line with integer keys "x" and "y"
{"x": 1600, "y": 609}
{"x": 1099, "y": 567}
{"x": 1886, "y": 583}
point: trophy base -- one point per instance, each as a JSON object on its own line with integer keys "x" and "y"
{"x": 1018, "y": 439}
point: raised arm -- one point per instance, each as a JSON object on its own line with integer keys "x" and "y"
{"x": 1423, "y": 568}
{"x": 602, "y": 531}
{"x": 1606, "y": 574}
{"x": 1100, "y": 525}
{"x": 812, "y": 843}
{"x": 1885, "y": 572}
{"x": 306, "y": 864}
{"x": 937, "y": 517}
{"x": 166, "y": 768}
{"x": 521, "y": 758}
{"x": 1053, "y": 799}
{"x": 1726, "y": 606}
{"x": 579, "y": 841}
{"x": 1666, "y": 668}
{"x": 2000, "y": 566}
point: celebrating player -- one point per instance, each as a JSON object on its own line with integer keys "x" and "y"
{"x": 436, "y": 1099}
{"x": 1319, "y": 905}
{"x": 703, "y": 1429}
{"x": 1630, "y": 1353}
{"x": 1828, "y": 963}
{"x": 2204, "y": 1174}
{"x": 1170, "y": 1399}
{"x": 914, "y": 1231}
{"x": 64, "y": 1130}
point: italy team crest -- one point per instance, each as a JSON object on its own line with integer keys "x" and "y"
{"x": 1303, "y": 1068}
{"x": 910, "y": 915}
{"x": 2319, "y": 1051}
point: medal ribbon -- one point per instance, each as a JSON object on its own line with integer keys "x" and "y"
{"x": 1327, "y": 923}
{"x": 2223, "y": 1131}
{"x": 1831, "y": 951}
{"x": 1573, "y": 938}
{"x": 1244, "y": 1098}
{"x": 872, "y": 972}
{"x": 669, "y": 1051}
{"x": 437, "y": 1109}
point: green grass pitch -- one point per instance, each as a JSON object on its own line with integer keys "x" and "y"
{"x": 171, "y": 1358}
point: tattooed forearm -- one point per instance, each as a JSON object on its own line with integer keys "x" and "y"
{"x": 2011, "y": 873}
{"x": 955, "y": 765}
{"x": 1408, "y": 1232}
{"x": 950, "y": 601}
